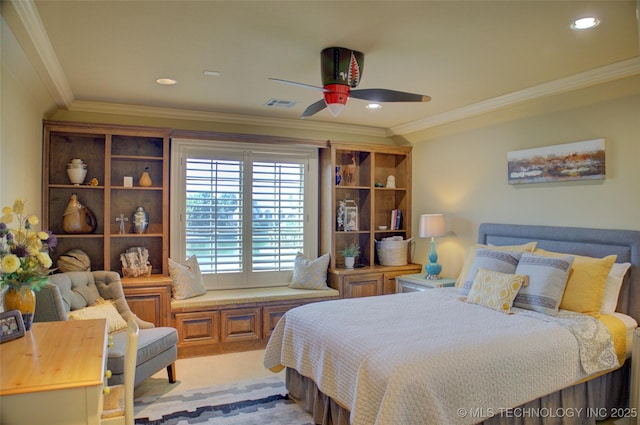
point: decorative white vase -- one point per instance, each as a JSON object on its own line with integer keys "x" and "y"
{"x": 76, "y": 171}
{"x": 349, "y": 262}
{"x": 76, "y": 175}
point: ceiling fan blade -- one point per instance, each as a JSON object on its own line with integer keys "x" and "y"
{"x": 314, "y": 108}
{"x": 384, "y": 95}
{"x": 293, "y": 83}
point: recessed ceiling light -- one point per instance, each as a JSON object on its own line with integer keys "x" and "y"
{"x": 585, "y": 23}
{"x": 373, "y": 106}
{"x": 209, "y": 73}
{"x": 166, "y": 81}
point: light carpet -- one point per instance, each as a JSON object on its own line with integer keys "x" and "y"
{"x": 256, "y": 402}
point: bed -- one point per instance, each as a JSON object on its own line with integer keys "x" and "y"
{"x": 431, "y": 357}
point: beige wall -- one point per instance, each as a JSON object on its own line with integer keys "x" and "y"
{"x": 23, "y": 102}
{"x": 461, "y": 170}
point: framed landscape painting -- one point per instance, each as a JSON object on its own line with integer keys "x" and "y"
{"x": 570, "y": 161}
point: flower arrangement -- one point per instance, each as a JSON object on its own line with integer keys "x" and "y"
{"x": 351, "y": 250}
{"x": 24, "y": 252}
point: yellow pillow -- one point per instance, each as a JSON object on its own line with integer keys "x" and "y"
{"x": 495, "y": 290}
{"x": 585, "y": 288}
{"x": 102, "y": 309}
{"x": 471, "y": 255}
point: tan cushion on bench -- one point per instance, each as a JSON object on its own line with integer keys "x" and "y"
{"x": 253, "y": 295}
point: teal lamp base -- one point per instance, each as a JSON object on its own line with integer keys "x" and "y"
{"x": 432, "y": 268}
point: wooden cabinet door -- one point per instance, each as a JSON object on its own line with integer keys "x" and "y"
{"x": 365, "y": 285}
{"x": 149, "y": 298}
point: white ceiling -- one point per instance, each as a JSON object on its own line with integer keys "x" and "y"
{"x": 469, "y": 56}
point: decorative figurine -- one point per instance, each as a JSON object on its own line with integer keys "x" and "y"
{"x": 145, "y": 178}
{"x": 350, "y": 172}
{"x": 340, "y": 217}
{"x": 391, "y": 182}
{"x": 122, "y": 219}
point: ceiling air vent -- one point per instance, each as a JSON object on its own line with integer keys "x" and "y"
{"x": 279, "y": 103}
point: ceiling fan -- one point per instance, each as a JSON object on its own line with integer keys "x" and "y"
{"x": 341, "y": 71}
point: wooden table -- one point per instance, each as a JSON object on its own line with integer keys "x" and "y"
{"x": 54, "y": 375}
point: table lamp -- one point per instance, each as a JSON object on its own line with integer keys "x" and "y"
{"x": 432, "y": 226}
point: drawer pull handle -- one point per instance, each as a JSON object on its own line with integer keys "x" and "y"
{"x": 106, "y": 390}
{"x": 107, "y": 374}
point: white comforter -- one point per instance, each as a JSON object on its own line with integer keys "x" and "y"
{"x": 427, "y": 357}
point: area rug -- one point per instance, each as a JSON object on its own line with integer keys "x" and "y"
{"x": 257, "y": 402}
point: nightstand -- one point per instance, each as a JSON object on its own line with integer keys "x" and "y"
{"x": 418, "y": 282}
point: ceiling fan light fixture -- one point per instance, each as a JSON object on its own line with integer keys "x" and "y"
{"x": 335, "y": 108}
{"x": 585, "y": 23}
{"x": 373, "y": 106}
{"x": 166, "y": 81}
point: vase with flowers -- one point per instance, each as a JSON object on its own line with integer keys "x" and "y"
{"x": 25, "y": 263}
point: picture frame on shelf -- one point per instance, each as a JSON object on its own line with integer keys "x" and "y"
{"x": 11, "y": 325}
{"x": 351, "y": 219}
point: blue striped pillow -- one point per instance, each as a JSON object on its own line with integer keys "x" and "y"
{"x": 547, "y": 280}
{"x": 497, "y": 261}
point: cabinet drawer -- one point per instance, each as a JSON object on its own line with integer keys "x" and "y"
{"x": 243, "y": 324}
{"x": 271, "y": 316}
{"x": 366, "y": 285}
{"x": 201, "y": 328}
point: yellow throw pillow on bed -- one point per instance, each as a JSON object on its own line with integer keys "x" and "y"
{"x": 471, "y": 256}
{"x": 585, "y": 288}
{"x": 495, "y": 290}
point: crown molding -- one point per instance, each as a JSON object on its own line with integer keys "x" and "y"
{"x": 34, "y": 39}
{"x": 187, "y": 114}
{"x": 592, "y": 77}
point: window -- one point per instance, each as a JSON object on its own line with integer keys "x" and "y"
{"x": 245, "y": 212}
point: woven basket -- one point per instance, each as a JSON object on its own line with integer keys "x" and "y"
{"x": 393, "y": 253}
{"x": 130, "y": 272}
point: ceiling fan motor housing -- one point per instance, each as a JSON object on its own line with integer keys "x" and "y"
{"x": 341, "y": 66}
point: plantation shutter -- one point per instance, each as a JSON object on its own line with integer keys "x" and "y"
{"x": 214, "y": 213}
{"x": 278, "y": 215}
{"x": 246, "y": 213}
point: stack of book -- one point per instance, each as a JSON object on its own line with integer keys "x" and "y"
{"x": 396, "y": 219}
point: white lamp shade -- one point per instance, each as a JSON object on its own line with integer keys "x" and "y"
{"x": 432, "y": 226}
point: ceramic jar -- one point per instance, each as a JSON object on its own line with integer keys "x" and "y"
{"x": 76, "y": 171}
{"x": 140, "y": 220}
{"x": 77, "y": 218}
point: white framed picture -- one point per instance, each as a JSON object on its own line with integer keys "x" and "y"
{"x": 350, "y": 216}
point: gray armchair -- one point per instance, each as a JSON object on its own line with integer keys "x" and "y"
{"x": 157, "y": 346}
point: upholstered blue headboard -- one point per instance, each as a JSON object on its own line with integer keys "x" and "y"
{"x": 580, "y": 241}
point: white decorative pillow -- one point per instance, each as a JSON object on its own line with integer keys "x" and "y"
{"x": 495, "y": 290}
{"x": 495, "y": 260}
{"x": 612, "y": 287}
{"x": 102, "y": 309}
{"x": 187, "y": 279}
{"x": 547, "y": 280}
{"x": 310, "y": 274}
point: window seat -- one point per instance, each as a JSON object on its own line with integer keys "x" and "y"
{"x": 233, "y": 320}
{"x": 251, "y": 295}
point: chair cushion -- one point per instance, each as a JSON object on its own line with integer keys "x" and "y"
{"x": 151, "y": 342}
